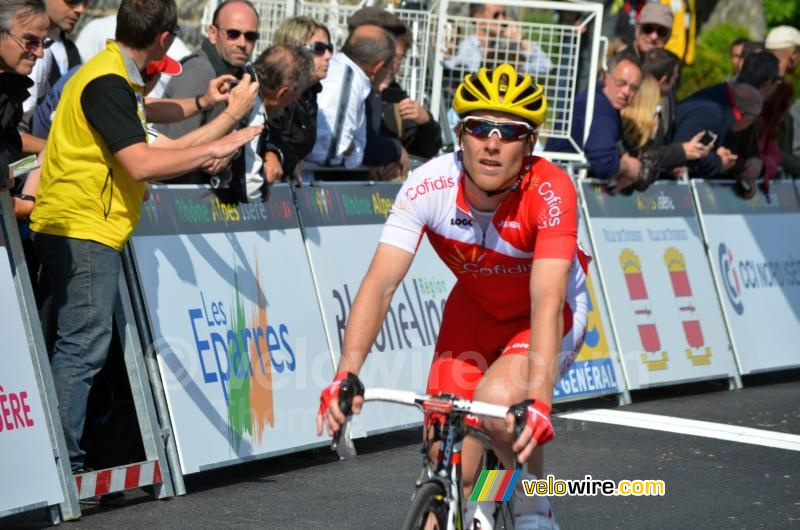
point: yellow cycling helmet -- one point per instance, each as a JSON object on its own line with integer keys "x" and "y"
{"x": 502, "y": 90}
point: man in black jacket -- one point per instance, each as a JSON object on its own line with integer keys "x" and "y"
{"x": 23, "y": 37}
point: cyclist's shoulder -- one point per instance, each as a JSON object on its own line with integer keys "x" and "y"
{"x": 546, "y": 176}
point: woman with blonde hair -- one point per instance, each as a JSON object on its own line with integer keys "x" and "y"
{"x": 640, "y": 118}
{"x": 293, "y": 129}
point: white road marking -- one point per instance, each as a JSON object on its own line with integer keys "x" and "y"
{"x": 706, "y": 429}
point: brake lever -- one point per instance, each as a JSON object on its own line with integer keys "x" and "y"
{"x": 342, "y": 443}
{"x": 520, "y": 413}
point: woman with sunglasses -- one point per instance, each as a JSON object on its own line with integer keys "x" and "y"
{"x": 505, "y": 222}
{"x": 293, "y": 130}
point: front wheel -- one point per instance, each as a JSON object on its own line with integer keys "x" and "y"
{"x": 429, "y": 509}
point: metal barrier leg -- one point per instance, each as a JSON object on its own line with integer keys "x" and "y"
{"x": 135, "y": 303}
{"x": 70, "y": 508}
{"x": 153, "y": 437}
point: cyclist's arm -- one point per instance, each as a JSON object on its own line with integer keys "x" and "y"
{"x": 389, "y": 265}
{"x": 548, "y": 286}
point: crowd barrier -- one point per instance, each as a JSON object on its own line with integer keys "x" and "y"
{"x": 754, "y": 250}
{"x": 241, "y": 309}
{"x": 34, "y": 469}
{"x": 235, "y": 324}
{"x": 658, "y": 285}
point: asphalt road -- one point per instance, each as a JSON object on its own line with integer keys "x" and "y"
{"x": 710, "y": 483}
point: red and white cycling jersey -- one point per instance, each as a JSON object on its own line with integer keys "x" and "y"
{"x": 538, "y": 220}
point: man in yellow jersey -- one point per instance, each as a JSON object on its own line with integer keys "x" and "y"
{"x": 93, "y": 183}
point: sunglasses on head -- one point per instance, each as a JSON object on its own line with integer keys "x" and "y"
{"x": 76, "y": 3}
{"x": 31, "y": 45}
{"x": 319, "y": 48}
{"x": 234, "y": 34}
{"x": 507, "y": 131}
{"x": 662, "y": 31}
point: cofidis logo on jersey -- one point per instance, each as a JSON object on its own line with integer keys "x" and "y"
{"x": 730, "y": 279}
{"x": 428, "y": 185}
{"x": 241, "y": 353}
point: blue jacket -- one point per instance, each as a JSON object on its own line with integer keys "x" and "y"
{"x": 43, "y": 114}
{"x": 601, "y": 146}
{"x": 710, "y": 109}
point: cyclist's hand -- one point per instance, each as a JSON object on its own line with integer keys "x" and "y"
{"x": 346, "y": 390}
{"x": 538, "y": 428}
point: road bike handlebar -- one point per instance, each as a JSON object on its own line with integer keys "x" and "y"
{"x": 344, "y": 446}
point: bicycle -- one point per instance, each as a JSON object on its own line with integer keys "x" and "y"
{"x": 437, "y": 500}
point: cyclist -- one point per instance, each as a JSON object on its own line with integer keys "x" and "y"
{"x": 505, "y": 222}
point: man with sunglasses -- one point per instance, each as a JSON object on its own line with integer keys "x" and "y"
{"x": 92, "y": 185}
{"x": 653, "y": 28}
{"x": 232, "y": 36}
{"x": 23, "y": 34}
{"x": 59, "y": 58}
{"x": 505, "y": 222}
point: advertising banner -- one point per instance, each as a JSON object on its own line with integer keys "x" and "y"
{"x": 236, "y": 324}
{"x": 342, "y": 225}
{"x": 596, "y": 370}
{"x": 661, "y": 297}
{"x": 755, "y": 254}
{"x": 28, "y": 474}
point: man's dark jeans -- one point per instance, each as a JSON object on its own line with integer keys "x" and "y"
{"x": 82, "y": 278}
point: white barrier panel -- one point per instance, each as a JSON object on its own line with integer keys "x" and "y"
{"x": 342, "y": 224}
{"x": 235, "y": 320}
{"x": 596, "y": 370}
{"x": 659, "y": 286}
{"x": 755, "y": 253}
{"x": 28, "y": 474}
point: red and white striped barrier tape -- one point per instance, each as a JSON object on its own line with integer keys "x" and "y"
{"x": 104, "y": 481}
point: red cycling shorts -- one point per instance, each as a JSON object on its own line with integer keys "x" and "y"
{"x": 470, "y": 341}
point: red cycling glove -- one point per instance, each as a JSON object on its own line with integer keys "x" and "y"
{"x": 539, "y": 421}
{"x": 331, "y": 391}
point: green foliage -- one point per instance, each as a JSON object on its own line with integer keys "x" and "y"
{"x": 782, "y": 12}
{"x": 712, "y": 63}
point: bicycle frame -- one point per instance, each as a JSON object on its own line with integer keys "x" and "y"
{"x": 447, "y": 414}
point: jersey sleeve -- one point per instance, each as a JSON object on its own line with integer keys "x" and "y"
{"x": 556, "y": 217}
{"x": 406, "y": 222}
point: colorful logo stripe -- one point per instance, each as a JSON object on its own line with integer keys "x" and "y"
{"x": 495, "y": 485}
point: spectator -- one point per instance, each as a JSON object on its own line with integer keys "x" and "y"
{"x": 769, "y": 125}
{"x": 23, "y": 38}
{"x": 498, "y": 40}
{"x": 645, "y": 139}
{"x": 719, "y": 109}
{"x": 232, "y": 36}
{"x": 737, "y": 54}
{"x": 653, "y": 28}
{"x": 58, "y": 59}
{"x": 293, "y": 130}
{"x": 782, "y": 42}
{"x": 404, "y": 118}
{"x": 92, "y": 40}
{"x": 602, "y": 148}
{"x": 664, "y": 66}
{"x": 760, "y": 70}
{"x": 283, "y": 74}
{"x": 364, "y": 62}
{"x": 92, "y": 186}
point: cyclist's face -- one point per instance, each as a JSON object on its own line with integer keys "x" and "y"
{"x": 492, "y": 161}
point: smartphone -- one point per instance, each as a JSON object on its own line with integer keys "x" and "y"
{"x": 707, "y": 138}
